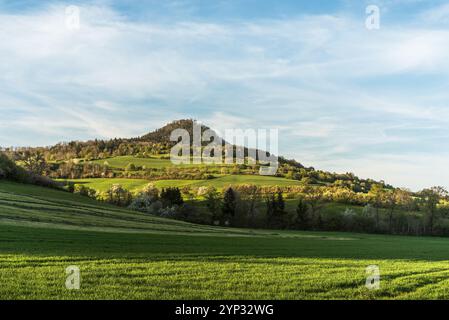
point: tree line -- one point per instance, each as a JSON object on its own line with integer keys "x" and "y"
{"x": 386, "y": 211}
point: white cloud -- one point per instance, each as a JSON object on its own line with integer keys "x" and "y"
{"x": 313, "y": 129}
{"x": 320, "y": 79}
{"x": 406, "y": 171}
{"x": 436, "y": 14}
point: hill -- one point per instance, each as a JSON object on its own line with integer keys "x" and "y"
{"x": 162, "y": 135}
{"x": 99, "y": 159}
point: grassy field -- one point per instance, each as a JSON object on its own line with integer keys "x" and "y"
{"x": 102, "y": 185}
{"x": 127, "y": 255}
{"x": 121, "y": 162}
{"x": 135, "y": 185}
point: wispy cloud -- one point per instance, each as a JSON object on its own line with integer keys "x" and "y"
{"x": 334, "y": 89}
{"x": 437, "y": 14}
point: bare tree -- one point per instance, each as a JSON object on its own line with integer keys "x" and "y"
{"x": 31, "y": 161}
{"x": 252, "y": 194}
{"x": 430, "y": 198}
{"x": 377, "y": 195}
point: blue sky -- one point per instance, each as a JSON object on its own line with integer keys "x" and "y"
{"x": 345, "y": 98}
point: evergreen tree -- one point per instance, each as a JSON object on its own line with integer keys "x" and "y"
{"x": 171, "y": 196}
{"x": 280, "y": 213}
{"x": 280, "y": 202}
{"x": 229, "y": 206}
{"x": 271, "y": 204}
{"x": 276, "y": 214}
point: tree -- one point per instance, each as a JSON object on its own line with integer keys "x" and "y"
{"x": 280, "y": 202}
{"x": 377, "y": 196}
{"x": 315, "y": 199}
{"x": 32, "y": 161}
{"x": 394, "y": 199}
{"x": 8, "y": 169}
{"x": 213, "y": 202}
{"x": 430, "y": 198}
{"x": 118, "y": 195}
{"x": 289, "y": 175}
{"x": 252, "y": 194}
{"x": 391, "y": 201}
{"x": 229, "y": 207}
{"x": 188, "y": 192}
{"x": 271, "y": 208}
{"x": 276, "y": 215}
{"x": 171, "y": 196}
{"x": 302, "y": 215}
{"x": 405, "y": 200}
{"x": 151, "y": 191}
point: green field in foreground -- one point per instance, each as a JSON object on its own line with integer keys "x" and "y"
{"x": 127, "y": 255}
{"x": 135, "y": 185}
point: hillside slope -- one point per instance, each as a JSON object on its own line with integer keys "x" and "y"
{"x": 29, "y": 205}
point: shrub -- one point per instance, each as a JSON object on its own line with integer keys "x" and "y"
{"x": 9, "y": 170}
{"x": 130, "y": 167}
{"x": 142, "y": 203}
{"x": 85, "y": 191}
{"x": 169, "y": 212}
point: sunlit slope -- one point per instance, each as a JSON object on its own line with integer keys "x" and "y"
{"x": 135, "y": 185}
{"x": 120, "y": 162}
{"x": 36, "y": 206}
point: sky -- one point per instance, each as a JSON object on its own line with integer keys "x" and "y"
{"x": 345, "y": 98}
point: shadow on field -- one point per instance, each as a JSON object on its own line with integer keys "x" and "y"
{"x": 40, "y": 241}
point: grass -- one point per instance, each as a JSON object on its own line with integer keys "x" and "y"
{"x": 127, "y": 255}
{"x": 121, "y": 162}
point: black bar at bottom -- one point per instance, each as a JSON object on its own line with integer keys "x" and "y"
{"x": 202, "y": 309}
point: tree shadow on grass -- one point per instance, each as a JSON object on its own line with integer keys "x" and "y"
{"x": 41, "y": 241}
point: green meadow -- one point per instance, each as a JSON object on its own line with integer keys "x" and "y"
{"x": 120, "y": 162}
{"x": 129, "y": 255}
{"x": 135, "y": 185}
